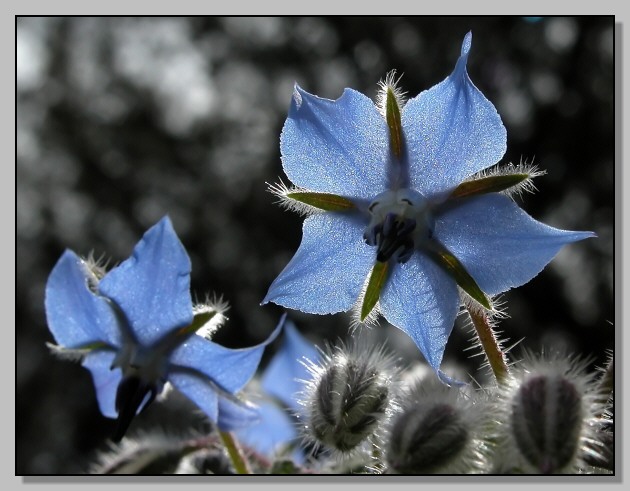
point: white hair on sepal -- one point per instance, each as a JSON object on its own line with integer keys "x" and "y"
{"x": 94, "y": 269}
{"x": 526, "y": 186}
{"x": 216, "y": 307}
{"x": 390, "y": 82}
{"x": 68, "y": 354}
{"x": 281, "y": 191}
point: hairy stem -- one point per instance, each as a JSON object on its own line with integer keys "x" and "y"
{"x": 489, "y": 343}
{"x": 606, "y": 384}
{"x": 235, "y": 452}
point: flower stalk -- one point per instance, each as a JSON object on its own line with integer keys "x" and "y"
{"x": 241, "y": 465}
{"x": 496, "y": 357}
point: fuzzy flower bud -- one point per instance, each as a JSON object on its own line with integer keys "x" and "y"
{"x": 348, "y": 397}
{"x": 436, "y": 432}
{"x": 546, "y": 421}
{"x": 550, "y": 413}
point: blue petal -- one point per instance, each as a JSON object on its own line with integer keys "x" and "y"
{"x": 329, "y": 268}
{"x": 229, "y": 368}
{"x": 199, "y": 391}
{"x": 338, "y": 147}
{"x": 75, "y": 315}
{"x": 274, "y": 429}
{"x": 500, "y": 245}
{"x": 422, "y": 300}
{"x": 206, "y": 373}
{"x": 452, "y": 131}
{"x": 282, "y": 376}
{"x": 105, "y": 380}
{"x": 234, "y": 416}
{"x": 153, "y": 286}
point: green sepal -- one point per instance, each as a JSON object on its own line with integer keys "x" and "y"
{"x": 490, "y": 184}
{"x": 78, "y": 353}
{"x": 323, "y": 201}
{"x": 392, "y": 115}
{"x": 199, "y": 320}
{"x": 374, "y": 287}
{"x": 453, "y": 267}
{"x": 96, "y": 345}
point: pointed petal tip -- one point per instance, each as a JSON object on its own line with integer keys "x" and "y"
{"x": 466, "y": 44}
{"x": 268, "y": 298}
{"x": 298, "y": 96}
{"x": 580, "y": 235}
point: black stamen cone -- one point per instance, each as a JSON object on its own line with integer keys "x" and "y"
{"x": 396, "y": 236}
{"x": 129, "y": 396}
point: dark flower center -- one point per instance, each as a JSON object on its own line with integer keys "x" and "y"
{"x": 401, "y": 220}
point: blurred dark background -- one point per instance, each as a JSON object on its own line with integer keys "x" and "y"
{"x": 122, "y": 120}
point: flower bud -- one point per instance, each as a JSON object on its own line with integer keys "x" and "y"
{"x": 546, "y": 421}
{"x": 347, "y": 398}
{"x": 435, "y": 432}
{"x": 550, "y": 413}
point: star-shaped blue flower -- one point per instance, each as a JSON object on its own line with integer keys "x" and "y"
{"x": 135, "y": 330}
{"x": 403, "y": 215}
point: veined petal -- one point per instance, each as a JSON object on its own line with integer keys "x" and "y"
{"x": 229, "y": 368}
{"x": 500, "y": 245}
{"x": 329, "y": 268}
{"x": 339, "y": 147}
{"x": 282, "y": 376}
{"x": 152, "y": 287}
{"x": 451, "y": 131}
{"x": 422, "y": 300}
{"x": 75, "y": 315}
{"x": 105, "y": 380}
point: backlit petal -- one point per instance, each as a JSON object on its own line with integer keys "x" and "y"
{"x": 422, "y": 300}
{"x": 75, "y": 315}
{"x": 338, "y": 147}
{"x": 452, "y": 131}
{"x": 152, "y": 287}
{"x": 500, "y": 245}
{"x": 329, "y": 268}
{"x": 229, "y": 368}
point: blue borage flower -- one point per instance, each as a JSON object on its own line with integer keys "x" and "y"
{"x": 135, "y": 329}
{"x": 404, "y": 215}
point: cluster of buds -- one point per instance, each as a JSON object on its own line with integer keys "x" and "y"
{"x": 548, "y": 418}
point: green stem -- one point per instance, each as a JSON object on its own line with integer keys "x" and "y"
{"x": 239, "y": 461}
{"x": 496, "y": 358}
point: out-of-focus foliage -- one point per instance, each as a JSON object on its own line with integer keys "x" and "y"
{"x": 122, "y": 120}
